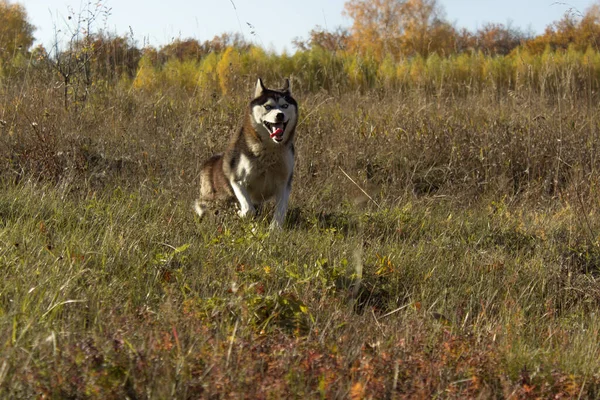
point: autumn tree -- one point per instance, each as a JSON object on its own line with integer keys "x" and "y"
{"x": 324, "y": 39}
{"x": 578, "y": 30}
{"x": 464, "y": 41}
{"x": 114, "y": 55}
{"x": 221, "y": 42}
{"x": 182, "y": 50}
{"x": 494, "y": 38}
{"x": 589, "y": 27}
{"x": 193, "y": 50}
{"x": 73, "y": 59}
{"x": 147, "y": 75}
{"x": 376, "y": 26}
{"x": 425, "y": 28}
{"x": 16, "y": 33}
{"x": 399, "y": 27}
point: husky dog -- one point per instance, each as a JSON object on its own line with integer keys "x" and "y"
{"x": 258, "y": 164}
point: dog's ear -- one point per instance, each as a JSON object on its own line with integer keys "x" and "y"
{"x": 260, "y": 88}
{"x": 286, "y": 86}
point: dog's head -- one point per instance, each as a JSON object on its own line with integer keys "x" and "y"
{"x": 274, "y": 113}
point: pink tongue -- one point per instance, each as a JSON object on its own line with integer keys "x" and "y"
{"x": 277, "y": 132}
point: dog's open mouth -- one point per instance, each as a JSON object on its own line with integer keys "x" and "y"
{"x": 276, "y": 130}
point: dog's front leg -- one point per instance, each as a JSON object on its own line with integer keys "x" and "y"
{"x": 246, "y": 206}
{"x": 281, "y": 208}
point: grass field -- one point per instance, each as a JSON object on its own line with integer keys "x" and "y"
{"x": 470, "y": 271}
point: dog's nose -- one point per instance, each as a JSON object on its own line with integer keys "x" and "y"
{"x": 279, "y": 117}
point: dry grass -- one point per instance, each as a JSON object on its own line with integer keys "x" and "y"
{"x": 476, "y": 275}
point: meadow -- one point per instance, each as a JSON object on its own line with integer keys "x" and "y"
{"x": 442, "y": 239}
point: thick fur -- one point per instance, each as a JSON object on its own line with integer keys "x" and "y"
{"x": 258, "y": 164}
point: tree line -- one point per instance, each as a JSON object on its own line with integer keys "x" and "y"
{"x": 396, "y": 44}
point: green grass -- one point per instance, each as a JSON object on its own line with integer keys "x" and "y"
{"x": 123, "y": 293}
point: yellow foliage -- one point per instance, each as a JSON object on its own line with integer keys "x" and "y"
{"x": 184, "y": 74}
{"x": 387, "y": 71}
{"x": 207, "y": 75}
{"x": 355, "y": 73}
{"x": 403, "y": 73}
{"x": 317, "y": 69}
{"x": 376, "y": 26}
{"x": 229, "y": 70}
{"x": 591, "y": 59}
{"x": 463, "y": 67}
{"x": 500, "y": 70}
{"x": 16, "y": 32}
{"x": 147, "y": 76}
{"x": 384, "y": 28}
{"x": 435, "y": 69}
{"x": 418, "y": 70}
{"x": 255, "y": 61}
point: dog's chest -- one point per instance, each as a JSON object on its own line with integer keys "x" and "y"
{"x": 265, "y": 174}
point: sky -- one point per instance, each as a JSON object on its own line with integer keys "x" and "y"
{"x": 272, "y": 24}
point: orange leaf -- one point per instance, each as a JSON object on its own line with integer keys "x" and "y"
{"x": 357, "y": 391}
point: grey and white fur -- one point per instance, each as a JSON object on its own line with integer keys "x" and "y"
{"x": 258, "y": 164}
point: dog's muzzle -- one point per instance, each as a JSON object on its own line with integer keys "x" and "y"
{"x": 276, "y": 130}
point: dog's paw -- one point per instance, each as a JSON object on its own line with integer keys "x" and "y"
{"x": 200, "y": 208}
{"x": 246, "y": 213}
{"x": 275, "y": 225}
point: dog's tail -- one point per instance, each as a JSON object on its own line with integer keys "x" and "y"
{"x": 200, "y": 208}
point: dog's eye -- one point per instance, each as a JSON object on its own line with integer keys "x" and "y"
{"x": 285, "y": 106}
{"x": 268, "y": 107}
